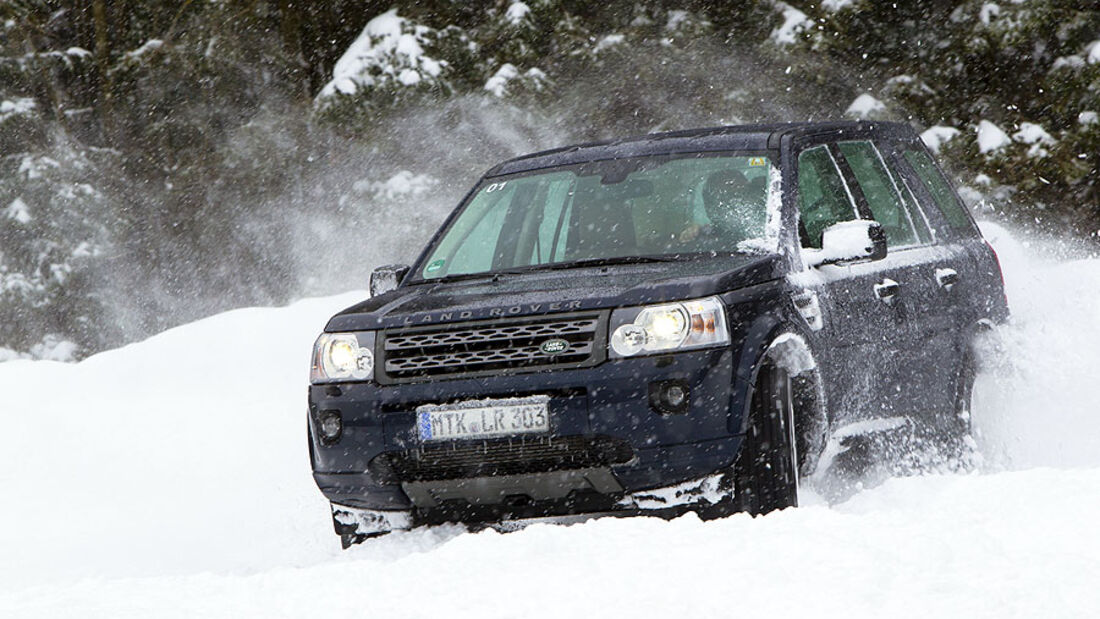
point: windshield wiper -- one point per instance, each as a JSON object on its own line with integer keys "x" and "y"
{"x": 591, "y": 262}
{"x": 454, "y": 278}
{"x": 553, "y": 266}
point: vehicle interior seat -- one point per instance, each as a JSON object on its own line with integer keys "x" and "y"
{"x": 601, "y": 228}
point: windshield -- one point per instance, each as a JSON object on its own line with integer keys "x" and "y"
{"x": 609, "y": 211}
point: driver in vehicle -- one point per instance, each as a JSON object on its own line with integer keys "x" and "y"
{"x": 732, "y": 204}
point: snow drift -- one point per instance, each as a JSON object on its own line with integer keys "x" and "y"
{"x": 170, "y": 478}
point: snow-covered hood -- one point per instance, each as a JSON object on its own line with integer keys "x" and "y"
{"x": 556, "y": 291}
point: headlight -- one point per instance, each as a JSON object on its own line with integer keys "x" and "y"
{"x": 340, "y": 357}
{"x": 675, "y": 326}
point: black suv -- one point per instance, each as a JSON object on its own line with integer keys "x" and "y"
{"x": 651, "y": 325}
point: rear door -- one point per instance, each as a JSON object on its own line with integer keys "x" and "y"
{"x": 958, "y": 286}
{"x": 916, "y": 357}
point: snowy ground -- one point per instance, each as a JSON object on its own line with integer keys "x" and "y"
{"x": 170, "y": 478}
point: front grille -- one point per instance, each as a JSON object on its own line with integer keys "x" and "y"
{"x": 514, "y": 456}
{"x": 490, "y": 347}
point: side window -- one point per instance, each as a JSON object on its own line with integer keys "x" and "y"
{"x": 937, "y": 185}
{"x": 912, "y": 205}
{"x": 823, "y": 199}
{"x": 881, "y": 193}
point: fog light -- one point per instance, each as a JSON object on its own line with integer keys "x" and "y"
{"x": 670, "y": 397}
{"x": 332, "y": 426}
{"x": 675, "y": 395}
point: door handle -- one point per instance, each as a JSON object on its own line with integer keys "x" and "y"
{"x": 947, "y": 278}
{"x": 887, "y": 291}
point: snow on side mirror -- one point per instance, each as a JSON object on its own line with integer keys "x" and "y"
{"x": 849, "y": 241}
{"x": 386, "y": 278}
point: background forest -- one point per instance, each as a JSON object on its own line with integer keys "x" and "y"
{"x": 161, "y": 161}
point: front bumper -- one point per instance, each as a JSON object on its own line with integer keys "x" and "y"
{"x": 710, "y": 495}
{"x": 610, "y": 401}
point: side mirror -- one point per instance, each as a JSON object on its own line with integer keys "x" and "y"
{"x": 849, "y": 241}
{"x": 386, "y": 278}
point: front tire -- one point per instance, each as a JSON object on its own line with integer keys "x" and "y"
{"x": 766, "y": 471}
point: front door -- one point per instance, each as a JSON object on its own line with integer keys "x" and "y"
{"x": 861, "y": 311}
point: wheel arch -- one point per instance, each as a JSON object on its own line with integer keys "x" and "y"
{"x": 786, "y": 344}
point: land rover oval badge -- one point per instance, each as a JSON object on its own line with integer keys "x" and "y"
{"x": 554, "y": 346}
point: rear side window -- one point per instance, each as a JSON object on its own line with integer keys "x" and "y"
{"x": 883, "y": 197}
{"x": 823, "y": 199}
{"x": 936, "y": 185}
{"x": 912, "y": 204}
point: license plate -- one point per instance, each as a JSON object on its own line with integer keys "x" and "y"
{"x": 483, "y": 418}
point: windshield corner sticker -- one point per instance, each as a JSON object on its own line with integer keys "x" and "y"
{"x": 435, "y": 265}
{"x": 758, "y": 161}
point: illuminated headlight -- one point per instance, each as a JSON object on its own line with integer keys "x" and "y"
{"x": 341, "y": 357}
{"x": 663, "y": 328}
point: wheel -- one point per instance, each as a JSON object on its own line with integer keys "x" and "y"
{"x": 766, "y": 471}
{"x": 946, "y": 441}
{"x": 957, "y": 444}
{"x": 960, "y": 423}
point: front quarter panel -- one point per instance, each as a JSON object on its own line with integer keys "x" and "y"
{"x": 757, "y": 315}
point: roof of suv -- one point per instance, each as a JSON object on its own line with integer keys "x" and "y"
{"x": 729, "y": 138}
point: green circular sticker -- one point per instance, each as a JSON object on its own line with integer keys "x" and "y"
{"x": 435, "y": 265}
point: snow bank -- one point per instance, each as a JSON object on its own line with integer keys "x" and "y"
{"x": 180, "y": 454}
{"x": 1015, "y": 545}
{"x": 170, "y": 478}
